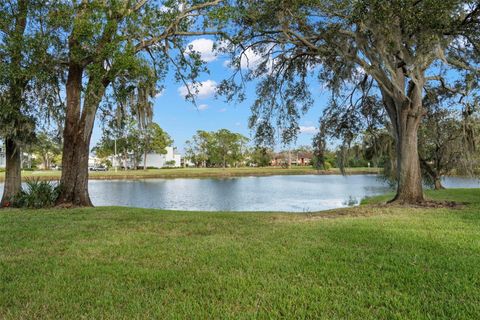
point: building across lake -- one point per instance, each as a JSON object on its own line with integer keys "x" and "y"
{"x": 170, "y": 159}
{"x": 3, "y": 159}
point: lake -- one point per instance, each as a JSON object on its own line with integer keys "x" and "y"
{"x": 300, "y": 193}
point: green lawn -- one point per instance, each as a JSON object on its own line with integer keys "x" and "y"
{"x": 194, "y": 173}
{"x": 370, "y": 262}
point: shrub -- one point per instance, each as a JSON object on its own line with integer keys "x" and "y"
{"x": 37, "y": 194}
{"x": 171, "y": 163}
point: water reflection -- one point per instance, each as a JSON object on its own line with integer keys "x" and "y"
{"x": 276, "y": 193}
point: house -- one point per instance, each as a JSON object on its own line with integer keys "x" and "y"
{"x": 281, "y": 159}
{"x": 304, "y": 158}
{"x": 293, "y": 158}
{"x": 171, "y": 159}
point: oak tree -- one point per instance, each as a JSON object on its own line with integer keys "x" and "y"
{"x": 118, "y": 46}
{"x": 400, "y": 45}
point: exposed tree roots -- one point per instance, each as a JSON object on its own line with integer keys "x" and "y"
{"x": 426, "y": 203}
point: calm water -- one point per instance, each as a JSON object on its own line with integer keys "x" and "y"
{"x": 275, "y": 193}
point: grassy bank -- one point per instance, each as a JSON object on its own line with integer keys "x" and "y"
{"x": 369, "y": 262}
{"x": 193, "y": 173}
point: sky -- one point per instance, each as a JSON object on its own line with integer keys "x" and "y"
{"x": 181, "y": 119}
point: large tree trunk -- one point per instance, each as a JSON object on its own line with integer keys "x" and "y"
{"x": 13, "y": 178}
{"x": 76, "y": 136}
{"x": 74, "y": 180}
{"x": 405, "y": 113}
{"x": 409, "y": 174}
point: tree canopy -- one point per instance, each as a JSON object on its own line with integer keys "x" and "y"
{"x": 358, "y": 50}
{"x": 221, "y": 148}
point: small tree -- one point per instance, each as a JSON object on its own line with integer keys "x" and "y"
{"x": 155, "y": 140}
{"x": 228, "y": 147}
{"x": 47, "y": 147}
{"x": 261, "y": 156}
{"x": 220, "y": 148}
{"x": 447, "y": 140}
{"x": 198, "y": 149}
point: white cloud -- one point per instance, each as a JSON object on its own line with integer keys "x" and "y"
{"x": 204, "y": 47}
{"x": 308, "y": 129}
{"x": 226, "y": 63}
{"x": 159, "y": 93}
{"x": 251, "y": 59}
{"x": 203, "y": 107}
{"x": 201, "y": 90}
{"x": 222, "y": 110}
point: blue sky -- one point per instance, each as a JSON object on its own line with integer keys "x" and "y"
{"x": 181, "y": 119}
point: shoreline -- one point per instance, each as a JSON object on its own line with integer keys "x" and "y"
{"x": 197, "y": 173}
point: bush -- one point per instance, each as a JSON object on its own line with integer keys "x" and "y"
{"x": 171, "y": 163}
{"x": 37, "y": 194}
{"x": 328, "y": 165}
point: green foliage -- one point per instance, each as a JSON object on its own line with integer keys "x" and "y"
{"x": 155, "y": 139}
{"x": 375, "y": 57}
{"x": 447, "y": 139}
{"x": 216, "y": 149}
{"x": 28, "y": 72}
{"x": 326, "y": 163}
{"x": 131, "y": 140}
{"x": 261, "y": 156}
{"x": 170, "y": 163}
{"x": 129, "y": 47}
{"x": 37, "y": 194}
{"x": 48, "y": 148}
{"x": 198, "y": 148}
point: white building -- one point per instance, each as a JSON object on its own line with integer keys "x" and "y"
{"x": 171, "y": 159}
{"x": 3, "y": 159}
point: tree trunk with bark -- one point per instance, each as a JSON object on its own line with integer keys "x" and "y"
{"x": 145, "y": 153}
{"x": 409, "y": 188}
{"x": 13, "y": 180}
{"x": 405, "y": 112}
{"x": 18, "y": 83}
{"x": 438, "y": 184}
{"x": 74, "y": 180}
{"x": 434, "y": 173}
{"x": 76, "y": 136}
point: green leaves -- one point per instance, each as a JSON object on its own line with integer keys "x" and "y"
{"x": 220, "y": 148}
{"x": 155, "y": 139}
